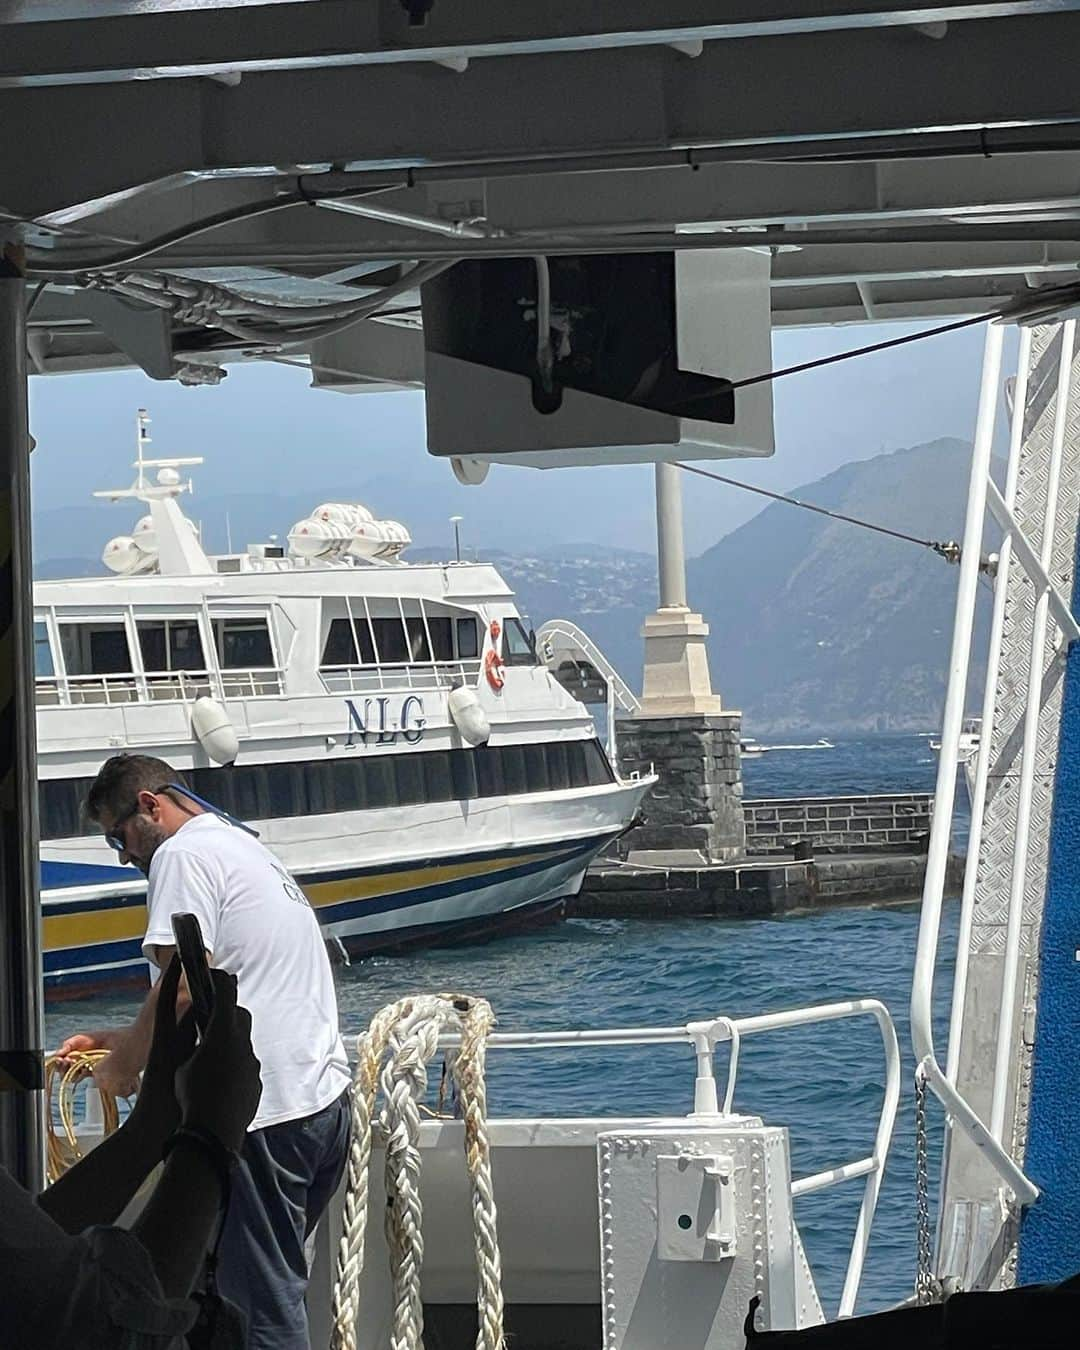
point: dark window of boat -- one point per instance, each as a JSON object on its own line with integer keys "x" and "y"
{"x": 468, "y": 640}
{"x": 418, "y": 643}
{"x": 43, "y": 657}
{"x": 95, "y": 649}
{"x": 170, "y": 644}
{"x": 243, "y": 644}
{"x": 360, "y": 783}
{"x": 442, "y": 638}
{"x": 341, "y": 640}
{"x": 518, "y": 646}
{"x": 390, "y": 644}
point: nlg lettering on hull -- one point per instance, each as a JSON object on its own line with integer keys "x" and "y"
{"x": 373, "y": 724}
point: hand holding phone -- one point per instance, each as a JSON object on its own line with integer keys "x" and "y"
{"x": 192, "y": 952}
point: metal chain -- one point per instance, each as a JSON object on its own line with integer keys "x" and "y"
{"x": 925, "y": 1288}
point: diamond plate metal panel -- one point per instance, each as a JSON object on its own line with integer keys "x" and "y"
{"x": 996, "y": 854}
{"x": 971, "y": 1186}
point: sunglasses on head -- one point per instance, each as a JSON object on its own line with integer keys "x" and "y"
{"x": 117, "y": 842}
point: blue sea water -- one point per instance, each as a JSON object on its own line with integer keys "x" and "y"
{"x": 825, "y": 1083}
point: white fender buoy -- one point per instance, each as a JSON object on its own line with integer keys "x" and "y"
{"x": 214, "y": 730}
{"x": 468, "y": 716}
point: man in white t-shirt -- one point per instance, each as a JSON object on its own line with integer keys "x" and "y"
{"x": 257, "y": 924}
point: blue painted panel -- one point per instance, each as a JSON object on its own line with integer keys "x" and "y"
{"x": 1050, "y": 1230}
{"x": 58, "y": 875}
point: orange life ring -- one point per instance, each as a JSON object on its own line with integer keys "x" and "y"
{"x": 493, "y": 666}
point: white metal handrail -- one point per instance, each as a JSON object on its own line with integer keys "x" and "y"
{"x": 977, "y": 793}
{"x": 143, "y": 687}
{"x": 412, "y": 675}
{"x": 703, "y": 1037}
{"x": 624, "y": 695}
{"x": 1017, "y": 549}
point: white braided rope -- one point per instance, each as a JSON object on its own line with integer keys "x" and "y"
{"x": 393, "y": 1055}
{"x": 468, "y": 1069}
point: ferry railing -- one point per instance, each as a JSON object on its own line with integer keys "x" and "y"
{"x": 704, "y": 1037}
{"x": 175, "y": 686}
{"x": 981, "y": 494}
{"x": 412, "y": 676}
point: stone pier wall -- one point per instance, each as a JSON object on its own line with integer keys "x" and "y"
{"x": 696, "y": 807}
{"x": 896, "y": 820}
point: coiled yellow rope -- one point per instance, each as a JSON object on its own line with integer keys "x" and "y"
{"x": 65, "y": 1075}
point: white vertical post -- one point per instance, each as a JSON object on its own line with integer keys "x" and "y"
{"x": 1029, "y": 748}
{"x": 982, "y": 763}
{"x": 669, "y": 537}
{"x": 922, "y": 987}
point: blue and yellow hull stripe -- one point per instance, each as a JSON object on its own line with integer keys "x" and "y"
{"x": 79, "y": 936}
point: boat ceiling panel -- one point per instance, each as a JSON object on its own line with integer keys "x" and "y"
{"x": 901, "y": 162}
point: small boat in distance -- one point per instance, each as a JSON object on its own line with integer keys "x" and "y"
{"x": 970, "y": 734}
{"x": 820, "y": 744}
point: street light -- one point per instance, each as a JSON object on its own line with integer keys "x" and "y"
{"x": 456, "y": 522}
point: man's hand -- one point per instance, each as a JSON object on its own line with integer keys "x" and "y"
{"x": 88, "y": 1040}
{"x": 115, "y": 1073}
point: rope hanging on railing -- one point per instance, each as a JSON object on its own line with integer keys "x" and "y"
{"x": 393, "y": 1055}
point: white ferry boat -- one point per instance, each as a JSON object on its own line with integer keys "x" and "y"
{"x": 388, "y": 729}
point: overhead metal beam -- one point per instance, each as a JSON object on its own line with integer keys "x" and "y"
{"x": 227, "y": 41}
{"x": 885, "y": 80}
{"x": 779, "y": 193}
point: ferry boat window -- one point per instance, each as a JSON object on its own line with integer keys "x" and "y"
{"x": 285, "y": 790}
{"x": 341, "y": 639}
{"x": 558, "y": 766}
{"x": 378, "y": 778}
{"x": 418, "y": 643}
{"x": 243, "y": 644}
{"x": 43, "y": 657}
{"x": 536, "y": 769}
{"x": 514, "y": 775}
{"x": 357, "y": 783}
{"x": 463, "y": 776}
{"x": 442, "y": 638}
{"x": 390, "y": 641}
{"x": 60, "y": 807}
{"x": 597, "y": 768}
{"x": 95, "y": 649}
{"x": 468, "y": 639}
{"x": 438, "y": 781}
{"x": 409, "y": 779}
{"x": 170, "y": 644}
{"x": 489, "y": 772}
{"x": 518, "y": 649}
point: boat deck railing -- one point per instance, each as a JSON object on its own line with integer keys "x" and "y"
{"x": 174, "y": 686}
{"x": 703, "y": 1037}
{"x": 412, "y": 676}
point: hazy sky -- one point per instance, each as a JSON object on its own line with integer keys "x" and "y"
{"x": 265, "y": 432}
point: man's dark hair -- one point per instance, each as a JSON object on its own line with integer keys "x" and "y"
{"x": 121, "y": 779}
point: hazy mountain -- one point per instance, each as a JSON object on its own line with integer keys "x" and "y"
{"x": 817, "y": 624}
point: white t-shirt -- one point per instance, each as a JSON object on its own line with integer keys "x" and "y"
{"x": 258, "y": 925}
